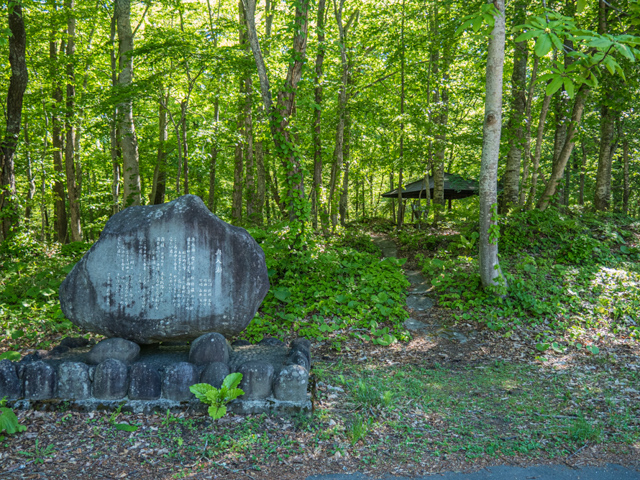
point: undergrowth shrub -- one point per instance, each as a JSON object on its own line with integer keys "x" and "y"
{"x": 562, "y": 270}
{"x": 331, "y": 290}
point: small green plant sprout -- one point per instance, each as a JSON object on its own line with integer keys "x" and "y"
{"x": 8, "y": 420}
{"x": 217, "y": 399}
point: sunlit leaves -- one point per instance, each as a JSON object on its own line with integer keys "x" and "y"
{"x": 486, "y": 16}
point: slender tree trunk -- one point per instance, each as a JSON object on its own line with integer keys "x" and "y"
{"x": 213, "y": 163}
{"x": 31, "y": 176}
{"x": 57, "y": 141}
{"x": 236, "y": 200}
{"x": 114, "y": 134}
{"x": 535, "y": 170}
{"x": 160, "y": 174}
{"x": 344, "y": 194}
{"x": 248, "y": 154}
{"x": 338, "y": 152}
{"x": 401, "y": 156}
{"x": 625, "y": 178}
{"x": 583, "y": 169}
{"x": 261, "y": 188}
{"x": 184, "y": 106}
{"x": 70, "y": 141}
{"x": 559, "y": 165}
{"x": 490, "y": 273}
{"x": 441, "y": 98}
{"x": 509, "y": 197}
{"x": 128, "y": 140}
{"x": 317, "y": 137}
{"x": 280, "y": 113}
{"x": 527, "y": 136}
{"x": 393, "y": 200}
{"x": 17, "y": 86}
{"x": 602, "y": 195}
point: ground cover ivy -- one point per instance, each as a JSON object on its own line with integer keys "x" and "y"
{"x": 565, "y": 270}
{"x": 331, "y": 289}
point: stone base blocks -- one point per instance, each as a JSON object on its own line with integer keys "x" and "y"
{"x": 275, "y": 377}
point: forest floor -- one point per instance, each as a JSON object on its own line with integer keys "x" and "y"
{"x": 427, "y": 405}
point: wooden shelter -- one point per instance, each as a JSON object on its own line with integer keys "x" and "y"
{"x": 455, "y": 187}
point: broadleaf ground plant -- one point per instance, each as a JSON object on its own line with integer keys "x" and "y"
{"x": 218, "y": 398}
{"x": 8, "y": 420}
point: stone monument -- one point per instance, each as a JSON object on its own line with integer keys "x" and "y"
{"x": 167, "y": 272}
{"x": 161, "y": 275}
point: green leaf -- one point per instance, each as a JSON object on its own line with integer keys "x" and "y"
{"x": 217, "y": 412}
{"x": 543, "y": 45}
{"x": 593, "y": 349}
{"x": 283, "y": 294}
{"x": 555, "y": 85}
{"x": 626, "y": 52}
{"x": 568, "y": 86}
{"x": 542, "y": 347}
{"x": 125, "y": 427}
{"x": 580, "y": 5}
{"x": 10, "y": 355}
{"x": 200, "y": 390}
{"x": 232, "y": 380}
{"x": 9, "y": 421}
{"x": 527, "y": 36}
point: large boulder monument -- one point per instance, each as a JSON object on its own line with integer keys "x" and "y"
{"x": 167, "y": 272}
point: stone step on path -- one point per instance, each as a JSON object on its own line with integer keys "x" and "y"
{"x": 418, "y": 299}
{"x": 540, "y": 472}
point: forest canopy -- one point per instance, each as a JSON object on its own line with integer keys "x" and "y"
{"x": 307, "y": 111}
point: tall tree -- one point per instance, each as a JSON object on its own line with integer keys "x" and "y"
{"x": 57, "y": 140}
{"x": 518, "y": 106}
{"x": 317, "y": 115}
{"x": 17, "y": 87}
{"x": 128, "y": 139}
{"x": 490, "y": 273}
{"x": 280, "y": 113}
{"x": 70, "y": 127}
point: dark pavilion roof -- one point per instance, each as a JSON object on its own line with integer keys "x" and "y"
{"x": 455, "y": 187}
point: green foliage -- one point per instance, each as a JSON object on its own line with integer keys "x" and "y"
{"x": 124, "y": 427}
{"x": 330, "y": 289}
{"x": 217, "y": 399}
{"x": 8, "y": 420}
{"x": 30, "y": 276}
{"x": 563, "y": 269}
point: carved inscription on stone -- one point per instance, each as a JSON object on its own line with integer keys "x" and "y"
{"x": 167, "y": 271}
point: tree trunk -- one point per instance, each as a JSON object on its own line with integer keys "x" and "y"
{"x": 211, "y": 203}
{"x": 490, "y": 273}
{"x": 261, "y": 188}
{"x": 70, "y": 141}
{"x": 401, "y": 156}
{"x": 128, "y": 140}
{"x": 338, "y": 152}
{"x": 536, "y": 157}
{"x": 509, "y": 197}
{"x": 250, "y": 184}
{"x": 160, "y": 175}
{"x": 583, "y": 169}
{"x": 184, "y": 106}
{"x": 625, "y": 178}
{"x": 31, "y": 176}
{"x": 602, "y": 194}
{"x": 559, "y": 165}
{"x": 57, "y": 142}
{"x": 17, "y": 86}
{"x": 527, "y": 136}
{"x": 280, "y": 114}
{"x": 317, "y": 138}
{"x": 344, "y": 194}
{"x": 236, "y": 199}
{"x": 114, "y": 134}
